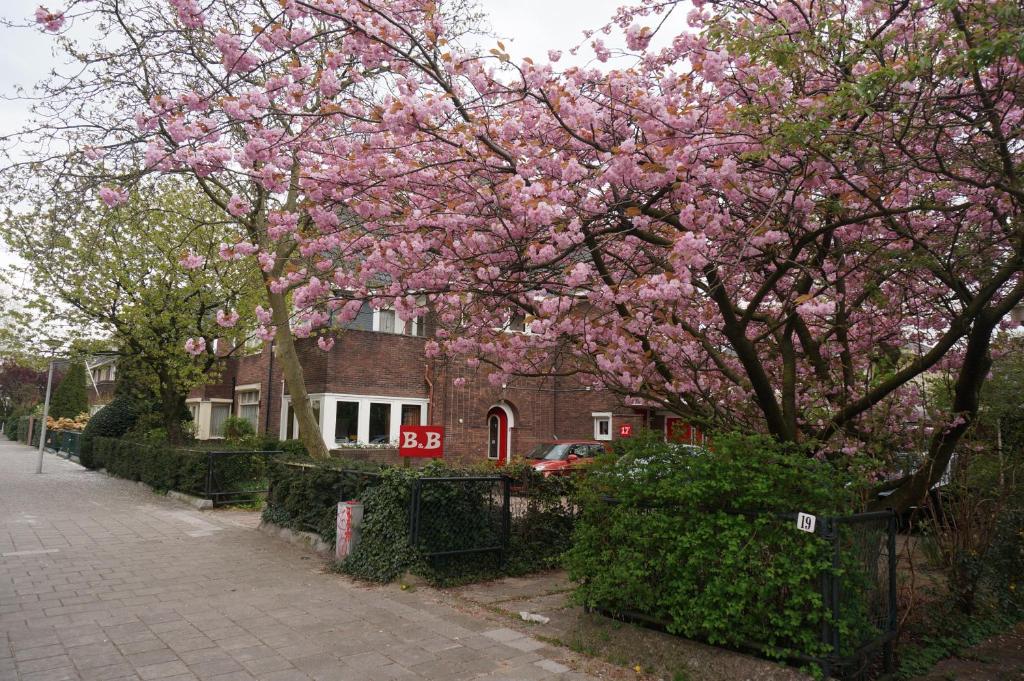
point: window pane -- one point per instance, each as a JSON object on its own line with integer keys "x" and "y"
{"x": 411, "y": 414}
{"x": 517, "y": 323}
{"x": 218, "y": 415}
{"x": 387, "y": 321}
{"x": 289, "y": 430}
{"x": 347, "y": 423}
{"x": 603, "y": 426}
{"x": 380, "y": 422}
{"x": 250, "y": 412}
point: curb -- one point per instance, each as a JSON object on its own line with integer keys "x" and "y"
{"x": 306, "y": 540}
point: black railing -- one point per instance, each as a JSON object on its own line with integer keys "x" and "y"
{"x": 233, "y": 477}
{"x": 453, "y": 516}
{"x": 65, "y": 443}
{"x": 865, "y": 544}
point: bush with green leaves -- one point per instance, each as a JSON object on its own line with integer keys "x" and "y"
{"x": 113, "y": 420}
{"x": 456, "y": 516}
{"x": 70, "y": 398}
{"x": 165, "y": 467}
{"x": 237, "y": 428}
{"x": 304, "y": 495}
{"x": 692, "y": 538}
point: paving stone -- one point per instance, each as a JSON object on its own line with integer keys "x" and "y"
{"x": 552, "y": 666}
{"x": 503, "y": 635}
{"x": 526, "y": 644}
{"x": 162, "y": 670}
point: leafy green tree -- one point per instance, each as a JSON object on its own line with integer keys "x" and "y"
{"x": 70, "y": 398}
{"x": 117, "y": 275}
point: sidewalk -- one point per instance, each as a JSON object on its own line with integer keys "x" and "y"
{"x": 102, "y": 580}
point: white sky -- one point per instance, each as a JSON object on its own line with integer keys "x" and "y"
{"x": 529, "y": 28}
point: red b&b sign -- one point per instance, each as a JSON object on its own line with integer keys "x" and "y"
{"x": 421, "y": 441}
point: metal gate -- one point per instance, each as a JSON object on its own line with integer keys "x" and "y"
{"x": 460, "y": 515}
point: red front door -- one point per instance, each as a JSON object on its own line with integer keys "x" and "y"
{"x": 497, "y": 436}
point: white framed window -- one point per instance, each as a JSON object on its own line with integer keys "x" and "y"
{"x": 516, "y": 321}
{"x": 602, "y": 425}
{"x": 386, "y": 320}
{"x": 348, "y": 418}
{"x": 249, "y": 405}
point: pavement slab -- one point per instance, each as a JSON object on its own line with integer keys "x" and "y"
{"x": 103, "y": 580}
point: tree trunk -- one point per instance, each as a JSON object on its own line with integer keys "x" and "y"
{"x": 309, "y": 429}
{"x": 172, "y": 404}
{"x": 913, "y": 489}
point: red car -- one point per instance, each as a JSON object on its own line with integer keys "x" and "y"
{"x": 563, "y": 457}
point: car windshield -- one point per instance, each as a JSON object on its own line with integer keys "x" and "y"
{"x": 548, "y": 452}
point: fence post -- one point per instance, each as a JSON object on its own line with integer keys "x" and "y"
{"x": 506, "y": 516}
{"x": 209, "y": 475}
{"x": 829, "y": 598}
{"x": 414, "y": 513}
{"x": 887, "y": 649}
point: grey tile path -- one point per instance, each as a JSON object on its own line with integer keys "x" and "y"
{"x": 102, "y": 580}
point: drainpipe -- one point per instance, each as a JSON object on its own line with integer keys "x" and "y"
{"x": 270, "y": 388}
{"x": 430, "y": 393}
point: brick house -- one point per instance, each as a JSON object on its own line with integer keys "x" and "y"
{"x": 101, "y": 373}
{"x": 377, "y": 377}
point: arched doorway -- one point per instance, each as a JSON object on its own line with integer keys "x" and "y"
{"x": 499, "y": 433}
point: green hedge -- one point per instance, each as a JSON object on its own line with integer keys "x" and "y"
{"x": 304, "y": 495}
{"x": 693, "y": 540}
{"x": 170, "y": 468}
{"x": 112, "y": 421}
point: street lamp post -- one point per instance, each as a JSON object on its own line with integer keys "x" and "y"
{"x": 46, "y": 414}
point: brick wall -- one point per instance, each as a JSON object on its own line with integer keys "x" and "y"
{"x": 544, "y": 409}
{"x": 389, "y": 365}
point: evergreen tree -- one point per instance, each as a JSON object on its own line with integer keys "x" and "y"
{"x": 70, "y": 398}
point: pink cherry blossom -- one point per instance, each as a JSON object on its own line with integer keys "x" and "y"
{"x": 113, "y": 197}
{"x": 192, "y": 261}
{"x": 195, "y": 346}
{"x": 238, "y": 206}
{"x": 227, "y": 319}
{"x": 51, "y": 21}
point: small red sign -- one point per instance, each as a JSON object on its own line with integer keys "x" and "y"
{"x": 626, "y": 430}
{"x": 425, "y": 442}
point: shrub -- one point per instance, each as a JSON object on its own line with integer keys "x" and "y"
{"x": 70, "y": 398}
{"x": 13, "y": 426}
{"x": 304, "y": 496}
{"x": 236, "y": 428}
{"x": 461, "y": 516}
{"x": 164, "y": 467}
{"x": 113, "y": 420}
{"x": 692, "y": 540}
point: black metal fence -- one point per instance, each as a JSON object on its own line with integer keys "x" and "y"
{"x": 65, "y": 443}
{"x": 457, "y": 516}
{"x": 860, "y": 589}
{"x": 236, "y": 476}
